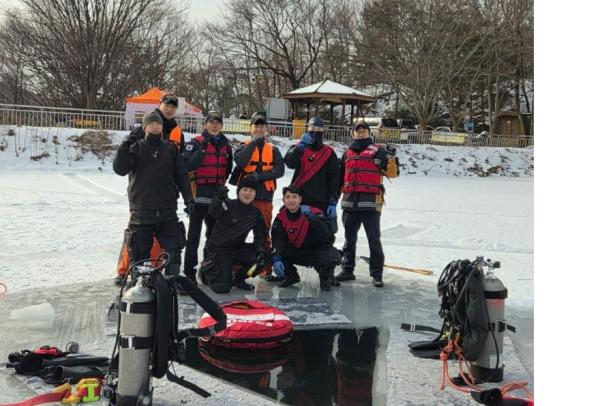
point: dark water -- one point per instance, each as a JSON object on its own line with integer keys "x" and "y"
{"x": 318, "y": 367}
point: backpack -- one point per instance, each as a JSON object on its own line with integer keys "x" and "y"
{"x": 250, "y": 324}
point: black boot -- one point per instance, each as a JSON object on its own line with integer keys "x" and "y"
{"x": 377, "y": 282}
{"x": 345, "y": 275}
{"x": 240, "y": 281}
{"x": 243, "y": 285}
{"x": 119, "y": 280}
{"x": 289, "y": 280}
{"x": 325, "y": 284}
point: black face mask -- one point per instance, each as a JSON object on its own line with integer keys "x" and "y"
{"x": 317, "y": 137}
{"x": 360, "y": 144}
{"x": 157, "y": 136}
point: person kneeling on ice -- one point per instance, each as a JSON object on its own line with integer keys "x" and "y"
{"x": 303, "y": 235}
{"x": 363, "y": 166}
{"x": 226, "y": 248}
{"x": 157, "y": 174}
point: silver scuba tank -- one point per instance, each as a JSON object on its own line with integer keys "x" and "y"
{"x": 489, "y": 367}
{"x": 136, "y": 339}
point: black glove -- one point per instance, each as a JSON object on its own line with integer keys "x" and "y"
{"x": 391, "y": 149}
{"x": 132, "y": 138}
{"x": 261, "y": 259}
{"x": 222, "y": 193}
{"x": 189, "y": 208}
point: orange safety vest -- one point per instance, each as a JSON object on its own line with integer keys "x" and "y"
{"x": 175, "y": 136}
{"x": 266, "y": 160}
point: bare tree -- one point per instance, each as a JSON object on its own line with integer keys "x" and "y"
{"x": 88, "y": 53}
{"x": 282, "y": 37}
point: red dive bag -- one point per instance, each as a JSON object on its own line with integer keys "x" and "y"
{"x": 250, "y": 324}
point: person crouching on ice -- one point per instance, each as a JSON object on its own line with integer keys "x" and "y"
{"x": 303, "y": 235}
{"x": 226, "y": 248}
{"x": 364, "y": 164}
{"x": 157, "y": 174}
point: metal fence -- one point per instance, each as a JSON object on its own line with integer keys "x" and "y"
{"x": 39, "y": 116}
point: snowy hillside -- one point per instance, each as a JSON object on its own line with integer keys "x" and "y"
{"x": 34, "y": 147}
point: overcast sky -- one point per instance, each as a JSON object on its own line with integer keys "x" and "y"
{"x": 200, "y": 10}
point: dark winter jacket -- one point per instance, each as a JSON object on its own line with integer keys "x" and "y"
{"x": 168, "y": 126}
{"x": 242, "y": 156}
{"x": 156, "y": 174}
{"x": 323, "y": 187}
{"x": 367, "y": 201}
{"x": 320, "y": 232}
{"x": 233, "y": 222}
{"x": 194, "y": 153}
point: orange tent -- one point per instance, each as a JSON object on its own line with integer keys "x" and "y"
{"x": 146, "y": 102}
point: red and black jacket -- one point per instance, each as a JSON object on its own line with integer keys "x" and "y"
{"x": 316, "y": 173}
{"x": 296, "y": 230}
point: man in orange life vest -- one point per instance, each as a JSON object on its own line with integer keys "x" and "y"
{"x": 262, "y": 160}
{"x": 363, "y": 166}
{"x": 303, "y": 235}
{"x": 171, "y": 132}
{"x": 210, "y": 157}
{"x": 316, "y": 167}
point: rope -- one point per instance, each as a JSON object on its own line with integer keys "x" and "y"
{"x": 454, "y": 348}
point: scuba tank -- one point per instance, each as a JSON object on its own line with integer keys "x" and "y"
{"x": 148, "y": 338}
{"x": 488, "y": 367}
{"x": 137, "y": 325}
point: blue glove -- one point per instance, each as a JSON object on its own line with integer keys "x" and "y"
{"x": 331, "y": 210}
{"x": 306, "y": 139}
{"x": 278, "y": 267}
{"x": 305, "y": 210}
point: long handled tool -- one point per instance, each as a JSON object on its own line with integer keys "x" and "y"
{"x": 402, "y": 268}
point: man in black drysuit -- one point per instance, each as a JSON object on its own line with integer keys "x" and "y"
{"x": 226, "y": 248}
{"x": 157, "y": 174}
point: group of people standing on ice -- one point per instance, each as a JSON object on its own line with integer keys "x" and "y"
{"x": 161, "y": 166}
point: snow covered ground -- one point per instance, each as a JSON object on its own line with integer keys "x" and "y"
{"x": 63, "y": 215}
{"x": 62, "y": 219}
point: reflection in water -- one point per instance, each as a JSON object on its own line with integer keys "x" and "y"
{"x": 318, "y": 367}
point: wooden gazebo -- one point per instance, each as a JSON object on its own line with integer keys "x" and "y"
{"x": 329, "y": 93}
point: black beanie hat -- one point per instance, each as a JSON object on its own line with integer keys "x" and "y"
{"x": 248, "y": 181}
{"x": 152, "y": 117}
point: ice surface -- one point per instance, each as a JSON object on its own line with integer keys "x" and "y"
{"x": 62, "y": 225}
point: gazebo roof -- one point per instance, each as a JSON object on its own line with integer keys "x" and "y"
{"x": 329, "y": 92}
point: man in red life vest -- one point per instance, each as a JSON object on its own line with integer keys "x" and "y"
{"x": 363, "y": 167}
{"x": 316, "y": 167}
{"x": 210, "y": 158}
{"x": 303, "y": 235}
{"x": 262, "y": 160}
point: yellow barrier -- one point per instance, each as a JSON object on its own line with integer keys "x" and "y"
{"x": 240, "y": 127}
{"x": 298, "y": 128}
{"x": 448, "y": 139}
